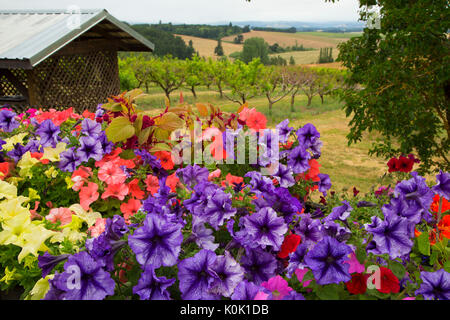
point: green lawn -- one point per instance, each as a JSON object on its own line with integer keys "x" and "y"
{"x": 348, "y": 166}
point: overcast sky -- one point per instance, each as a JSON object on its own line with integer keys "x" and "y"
{"x": 205, "y": 11}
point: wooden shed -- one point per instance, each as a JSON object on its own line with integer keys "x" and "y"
{"x": 59, "y": 59}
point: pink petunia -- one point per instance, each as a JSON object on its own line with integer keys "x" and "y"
{"x": 261, "y": 296}
{"x": 98, "y": 228}
{"x": 300, "y": 273}
{"x": 111, "y": 174}
{"x": 355, "y": 266}
{"x": 135, "y": 190}
{"x": 63, "y": 215}
{"x": 119, "y": 191}
{"x": 152, "y": 183}
{"x": 130, "y": 208}
{"x": 172, "y": 182}
{"x": 215, "y": 174}
{"x": 278, "y": 286}
{"x": 88, "y": 195}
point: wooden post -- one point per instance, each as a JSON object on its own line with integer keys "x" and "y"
{"x": 33, "y": 94}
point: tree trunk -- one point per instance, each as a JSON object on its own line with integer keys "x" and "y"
{"x": 309, "y": 101}
{"x": 321, "y": 97}
{"x": 270, "y": 107}
{"x": 219, "y": 85}
{"x": 292, "y": 102}
{"x": 167, "y": 92}
{"x": 193, "y": 92}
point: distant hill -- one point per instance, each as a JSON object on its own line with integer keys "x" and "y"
{"x": 334, "y": 26}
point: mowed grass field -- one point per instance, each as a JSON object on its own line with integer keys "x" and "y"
{"x": 348, "y": 166}
{"x": 313, "y": 40}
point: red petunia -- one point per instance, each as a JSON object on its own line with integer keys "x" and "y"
{"x": 393, "y": 165}
{"x": 130, "y": 208}
{"x": 358, "y": 284}
{"x": 135, "y": 190}
{"x": 4, "y": 170}
{"x": 289, "y": 245}
{"x": 166, "y": 159}
{"x": 389, "y": 282}
{"x": 405, "y": 164}
{"x": 355, "y": 191}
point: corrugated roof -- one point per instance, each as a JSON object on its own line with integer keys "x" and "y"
{"x": 29, "y": 37}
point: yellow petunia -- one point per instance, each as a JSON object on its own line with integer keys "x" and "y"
{"x": 88, "y": 216}
{"x": 10, "y": 142}
{"x": 7, "y": 190}
{"x": 69, "y": 182}
{"x": 51, "y": 173}
{"x": 33, "y": 194}
{"x": 69, "y": 234}
{"x": 10, "y": 208}
{"x": 25, "y": 164}
{"x": 14, "y": 228}
{"x": 52, "y": 154}
{"x": 34, "y": 238}
{"x": 40, "y": 289}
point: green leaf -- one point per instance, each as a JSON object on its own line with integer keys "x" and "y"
{"x": 447, "y": 266}
{"x": 143, "y": 135}
{"x": 161, "y": 147}
{"x": 328, "y": 292}
{"x": 127, "y": 154}
{"x": 120, "y": 129}
{"x": 397, "y": 268}
{"x": 361, "y": 255}
{"x": 170, "y": 121}
{"x": 113, "y": 106}
{"x": 423, "y": 242}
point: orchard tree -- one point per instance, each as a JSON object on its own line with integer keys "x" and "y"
{"x": 195, "y": 68}
{"x": 401, "y": 63}
{"x": 218, "y": 51}
{"x": 243, "y": 79}
{"x": 297, "y": 78}
{"x": 273, "y": 85}
{"x": 167, "y": 73}
{"x": 219, "y": 70}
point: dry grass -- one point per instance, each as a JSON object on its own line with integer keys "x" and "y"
{"x": 304, "y": 57}
{"x": 284, "y": 39}
{"x": 206, "y": 46}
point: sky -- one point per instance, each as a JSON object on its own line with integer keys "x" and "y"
{"x": 205, "y": 11}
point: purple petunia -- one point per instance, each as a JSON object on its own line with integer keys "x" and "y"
{"x": 151, "y": 287}
{"x": 326, "y": 261}
{"x": 435, "y": 285}
{"x": 309, "y": 230}
{"x": 229, "y": 275}
{"x": 391, "y": 236}
{"x": 17, "y": 152}
{"x": 7, "y": 120}
{"x": 107, "y": 145}
{"x": 335, "y": 230}
{"x": 259, "y": 265}
{"x": 192, "y": 175}
{"x": 157, "y": 242}
{"x": 416, "y": 193}
{"x": 203, "y": 236}
{"x": 400, "y": 207}
{"x": 91, "y": 128}
{"x": 340, "y": 213}
{"x": 298, "y": 159}
{"x": 83, "y": 279}
{"x": 148, "y": 159}
{"x": 307, "y": 135}
{"x": 296, "y": 259}
{"x": 259, "y": 183}
{"x": 284, "y": 130}
{"x": 246, "y": 291}
{"x": 324, "y": 183}
{"x": 47, "y": 262}
{"x": 265, "y": 228}
{"x": 442, "y": 187}
{"x": 218, "y": 209}
{"x": 69, "y": 160}
{"x": 90, "y": 148}
{"x": 196, "y": 275}
{"x": 48, "y": 133}
{"x": 285, "y": 176}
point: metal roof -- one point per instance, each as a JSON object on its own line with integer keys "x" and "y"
{"x": 28, "y": 37}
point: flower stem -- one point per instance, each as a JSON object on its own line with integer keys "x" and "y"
{"x": 441, "y": 199}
